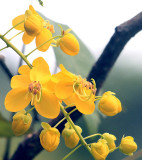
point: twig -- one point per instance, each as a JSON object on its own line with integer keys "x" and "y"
{"x": 30, "y": 147}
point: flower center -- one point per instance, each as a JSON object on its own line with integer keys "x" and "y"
{"x": 35, "y": 90}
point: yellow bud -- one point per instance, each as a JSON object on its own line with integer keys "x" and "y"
{"x": 100, "y": 149}
{"x": 69, "y": 44}
{"x": 21, "y": 122}
{"x": 49, "y": 137}
{"x": 33, "y": 23}
{"x": 70, "y": 136}
{"x": 127, "y": 145}
{"x": 109, "y": 104}
{"x": 110, "y": 138}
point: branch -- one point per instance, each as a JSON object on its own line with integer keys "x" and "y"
{"x": 30, "y": 147}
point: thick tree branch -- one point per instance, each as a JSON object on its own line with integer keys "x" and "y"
{"x": 30, "y": 147}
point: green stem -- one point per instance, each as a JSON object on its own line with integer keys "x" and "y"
{"x": 72, "y": 152}
{"x": 64, "y": 118}
{"x": 94, "y": 135}
{"x": 9, "y": 44}
{"x": 3, "y": 48}
{"x": 15, "y": 35}
{"x": 71, "y": 105}
{"x": 13, "y": 27}
{"x": 42, "y": 45}
{"x": 30, "y": 110}
{"x": 72, "y": 124}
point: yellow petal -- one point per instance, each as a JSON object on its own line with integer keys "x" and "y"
{"x": 85, "y": 107}
{"x": 64, "y": 89}
{"x": 24, "y": 70}
{"x": 38, "y": 61}
{"x": 48, "y": 106}
{"x": 18, "y": 20}
{"x": 19, "y": 81}
{"x": 70, "y": 100}
{"x": 17, "y": 99}
{"x": 27, "y": 39}
{"x": 32, "y": 9}
{"x": 40, "y": 73}
{"x": 44, "y": 35}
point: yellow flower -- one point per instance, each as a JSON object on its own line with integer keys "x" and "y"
{"x": 31, "y": 85}
{"x": 72, "y": 89}
{"x": 70, "y": 136}
{"x": 128, "y": 146}
{"x": 33, "y": 26}
{"x": 110, "y": 138}
{"x": 68, "y": 43}
{"x": 100, "y": 149}
{"x": 109, "y": 104}
{"x": 49, "y": 137}
{"x": 21, "y": 122}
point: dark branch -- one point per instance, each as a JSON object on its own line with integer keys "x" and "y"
{"x": 30, "y": 147}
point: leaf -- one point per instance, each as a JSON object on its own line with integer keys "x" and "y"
{"x": 80, "y": 64}
{"x": 5, "y": 128}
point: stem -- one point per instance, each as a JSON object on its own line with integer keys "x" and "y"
{"x": 30, "y": 110}
{"x": 71, "y": 105}
{"x": 94, "y": 135}
{"x": 72, "y": 152}
{"x": 42, "y": 45}
{"x": 64, "y": 118}
{"x": 72, "y": 124}
{"x": 3, "y": 48}
{"x": 13, "y": 27}
{"x": 9, "y": 44}
{"x": 15, "y": 35}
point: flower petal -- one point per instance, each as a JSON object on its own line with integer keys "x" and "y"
{"x": 20, "y": 81}
{"x": 85, "y": 107}
{"x": 25, "y": 69}
{"x": 44, "y": 35}
{"x": 18, "y": 20}
{"x": 38, "y": 61}
{"x": 40, "y": 73}
{"x": 48, "y": 106}
{"x": 27, "y": 39}
{"x": 64, "y": 89}
{"x": 17, "y": 99}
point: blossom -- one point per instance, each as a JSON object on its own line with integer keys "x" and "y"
{"x": 109, "y": 104}
{"x": 73, "y": 89}
{"x": 49, "y": 137}
{"x": 127, "y": 145}
{"x": 70, "y": 136}
{"x": 21, "y": 122}
{"x": 68, "y": 43}
{"x": 34, "y": 26}
{"x": 100, "y": 149}
{"x": 31, "y": 85}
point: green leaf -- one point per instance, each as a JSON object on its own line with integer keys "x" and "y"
{"x": 80, "y": 64}
{"x": 5, "y": 128}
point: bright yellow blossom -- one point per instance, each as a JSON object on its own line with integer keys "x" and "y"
{"x": 70, "y": 136}
{"x": 31, "y": 85}
{"x": 68, "y": 43}
{"x": 21, "y": 122}
{"x": 73, "y": 89}
{"x": 100, "y": 149}
{"x": 49, "y": 137}
{"x": 109, "y": 104}
{"x": 34, "y": 26}
{"x": 128, "y": 146}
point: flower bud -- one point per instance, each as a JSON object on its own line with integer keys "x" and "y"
{"x": 33, "y": 24}
{"x": 21, "y": 122}
{"x": 100, "y": 149}
{"x": 70, "y": 136}
{"x": 109, "y": 104}
{"x": 110, "y": 138}
{"x": 127, "y": 145}
{"x": 49, "y": 137}
{"x": 69, "y": 44}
